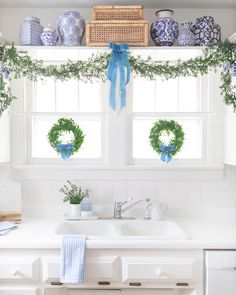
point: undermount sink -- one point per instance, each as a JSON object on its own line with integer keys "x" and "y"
{"x": 124, "y": 229}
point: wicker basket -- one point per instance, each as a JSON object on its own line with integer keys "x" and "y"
{"x": 101, "y": 33}
{"x": 134, "y": 12}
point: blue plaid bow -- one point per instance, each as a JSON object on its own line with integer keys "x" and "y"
{"x": 65, "y": 150}
{"x": 166, "y": 152}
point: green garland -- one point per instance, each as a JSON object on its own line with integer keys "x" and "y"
{"x": 65, "y": 125}
{"x": 170, "y": 126}
{"x": 21, "y": 65}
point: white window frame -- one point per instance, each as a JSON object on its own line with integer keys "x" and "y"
{"x": 117, "y": 130}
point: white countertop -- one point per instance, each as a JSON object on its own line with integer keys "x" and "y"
{"x": 39, "y": 233}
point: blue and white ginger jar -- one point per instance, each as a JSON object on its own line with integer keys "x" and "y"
{"x": 71, "y": 28}
{"x": 186, "y": 37}
{"x": 164, "y": 31}
{"x": 206, "y": 31}
{"x": 49, "y": 36}
{"x": 30, "y": 32}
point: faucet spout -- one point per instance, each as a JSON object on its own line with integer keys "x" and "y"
{"x": 119, "y": 209}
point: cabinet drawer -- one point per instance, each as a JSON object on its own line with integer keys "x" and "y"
{"x": 158, "y": 269}
{"x": 96, "y": 269}
{"x": 18, "y": 291}
{"x": 19, "y": 268}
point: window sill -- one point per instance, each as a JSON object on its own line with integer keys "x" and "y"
{"x": 57, "y": 172}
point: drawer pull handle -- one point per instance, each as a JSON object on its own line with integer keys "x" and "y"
{"x": 56, "y": 283}
{"x": 158, "y": 272}
{"x": 182, "y": 284}
{"x": 15, "y": 272}
{"x": 104, "y": 283}
{"x": 135, "y": 284}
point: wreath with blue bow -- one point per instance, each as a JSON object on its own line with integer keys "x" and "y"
{"x": 166, "y": 150}
{"x": 62, "y": 126}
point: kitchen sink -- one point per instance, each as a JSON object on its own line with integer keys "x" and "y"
{"x": 124, "y": 229}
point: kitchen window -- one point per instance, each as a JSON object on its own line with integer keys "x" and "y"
{"x": 120, "y": 139}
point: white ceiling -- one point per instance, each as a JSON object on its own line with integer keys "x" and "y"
{"x": 145, "y": 3}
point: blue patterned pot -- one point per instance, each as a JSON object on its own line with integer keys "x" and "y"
{"x": 164, "y": 31}
{"x": 49, "y": 36}
{"x": 71, "y": 28}
{"x": 30, "y": 32}
{"x": 186, "y": 37}
{"x": 206, "y": 31}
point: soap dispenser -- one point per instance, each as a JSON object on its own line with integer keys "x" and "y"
{"x": 86, "y": 206}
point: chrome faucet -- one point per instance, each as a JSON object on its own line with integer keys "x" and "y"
{"x": 119, "y": 209}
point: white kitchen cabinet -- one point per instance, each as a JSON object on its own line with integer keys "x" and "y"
{"x": 157, "y": 269}
{"x": 107, "y": 272}
{"x": 230, "y": 138}
{"x": 5, "y": 138}
{"x": 18, "y": 269}
{"x": 18, "y": 291}
{"x": 104, "y": 268}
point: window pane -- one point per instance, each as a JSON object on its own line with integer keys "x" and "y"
{"x": 188, "y": 94}
{"x": 167, "y": 95}
{"x": 143, "y": 95}
{"x": 67, "y": 96}
{"x": 91, "y": 147}
{"x": 89, "y": 97}
{"x": 192, "y": 147}
{"x": 44, "y": 98}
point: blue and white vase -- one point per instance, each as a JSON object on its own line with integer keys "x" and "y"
{"x": 186, "y": 37}
{"x": 164, "y": 31}
{"x": 30, "y": 32}
{"x": 71, "y": 28}
{"x": 206, "y": 31}
{"x": 49, "y": 36}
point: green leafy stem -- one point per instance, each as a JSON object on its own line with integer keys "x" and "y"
{"x": 20, "y": 64}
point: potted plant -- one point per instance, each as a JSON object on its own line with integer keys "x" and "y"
{"x": 74, "y": 195}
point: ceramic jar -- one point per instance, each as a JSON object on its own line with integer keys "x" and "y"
{"x": 49, "y": 36}
{"x": 30, "y": 32}
{"x": 186, "y": 37}
{"x": 71, "y": 28}
{"x": 206, "y": 31}
{"x": 164, "y": 31}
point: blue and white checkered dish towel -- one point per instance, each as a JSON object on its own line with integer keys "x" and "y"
{"x": 73, "y": 259}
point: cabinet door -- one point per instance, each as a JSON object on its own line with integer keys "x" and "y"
{"x": 104, "y": 268}
{"x": 18, "y": 291}
{"x": 158, "y": 269}
{"x": 152, "y": 292}
{"x": 5, "y": 138}
{"x": 55, "y": 291}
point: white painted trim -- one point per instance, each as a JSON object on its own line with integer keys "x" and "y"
{"x": 137, "y": 173}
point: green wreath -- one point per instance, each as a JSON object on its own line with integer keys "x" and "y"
{"x": 176, "y": 143}
{"x": 65, "y": 125}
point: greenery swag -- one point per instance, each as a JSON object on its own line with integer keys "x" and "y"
{"x": 170, "y": 127}
{"x": 20, "y": 64}
{"x": 65, "y": 125}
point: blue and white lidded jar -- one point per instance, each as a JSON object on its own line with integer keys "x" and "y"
{"x": 206, "y": 31}
{"x": 30, "y": 32}
{"x": 186, "y": 37}
{"x": 164, "y": 31}
{"x": 49, "y": 36}
{"x": 71, "y": 28}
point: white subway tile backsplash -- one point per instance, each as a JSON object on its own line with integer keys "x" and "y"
{"x": 105, "y": 192}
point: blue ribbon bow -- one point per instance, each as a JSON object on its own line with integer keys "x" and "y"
{"x": 119, "y": 60}
{"x": 65, "y": 150}
{"x": 166, "y": 152}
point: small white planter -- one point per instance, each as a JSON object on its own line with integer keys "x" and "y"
{"x": 74, "y": 210}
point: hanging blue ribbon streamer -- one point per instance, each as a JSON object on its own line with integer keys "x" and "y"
{"x": 166, "y": 152}
{"x": 65, "y": 150}
{"x": 119, "y": 61}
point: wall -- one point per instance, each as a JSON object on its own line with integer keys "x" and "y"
{"x": 10, "y": 29}
{"x": 203, "y": 195}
